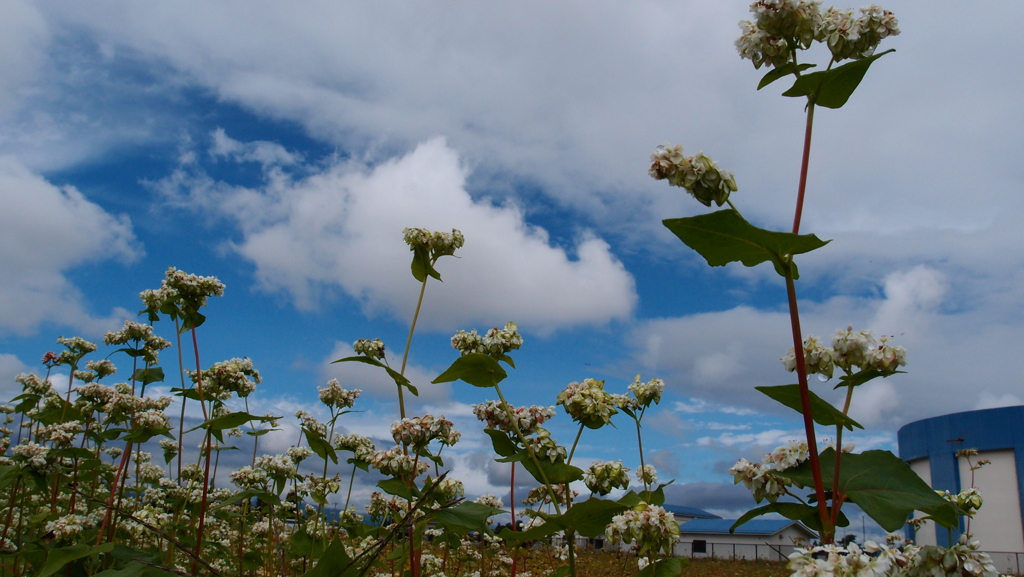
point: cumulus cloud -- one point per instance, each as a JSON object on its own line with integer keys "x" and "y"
{"x": 341, "y": 228}
{"x": 45, "y": 231}
{"x": 10, "y": 367}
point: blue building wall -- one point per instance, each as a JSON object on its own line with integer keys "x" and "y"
{"x": 939, "y": 438}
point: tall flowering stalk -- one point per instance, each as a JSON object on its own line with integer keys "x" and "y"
{"x": 776, "y": 36}
{"x": 181, "y": 296}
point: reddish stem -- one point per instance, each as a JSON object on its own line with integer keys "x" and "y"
{"x": 803, "y": 168}
{"x": 798, "y": 345}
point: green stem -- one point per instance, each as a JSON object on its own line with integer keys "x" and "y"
{"x": 577, "y": 440}
{"x": 529, "y": 449}
{"x": 181, "y": 375}
{"x": 640, "y": 446}
{"x": 351, "y": 481}
{"x": 408, "y": 344}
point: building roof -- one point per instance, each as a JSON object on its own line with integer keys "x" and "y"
{"x": 689, "y": 512}
{"x": 754, "y": 527}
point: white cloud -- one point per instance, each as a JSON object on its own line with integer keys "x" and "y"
{"x": 916, "y": 306}
{"x": 988, "y": 400}
{"x": 770, "y": 438}
{"x": 10, "y": 367}
{"x": 341, "y": 228}
{"x": 44, "y": 232}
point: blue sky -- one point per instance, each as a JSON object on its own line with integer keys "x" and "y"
{"x": 284, "y": 149}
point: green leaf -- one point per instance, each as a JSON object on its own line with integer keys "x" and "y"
{"x": 466, "y": 517}
{"x": 861, "y": 377}
{"x": 265, "y": 496}
{"x": 398, "y": 488}
{"x": 556, "y": 473}
{"x": 477, "y": 369}
{"x": 400, "y": 380}
{"x": 806, "y": 514}
{"x": 135, "y": 569}
{"x": 832, "y": 88}
{"x": 229, "y": 421}
{"x": 777, "y": 73}
{"x": 666, "y": 567}
{"x": 58, "y": 558}
{"x": 150, "y": 375}
{"x": 724, "y": 236}
{"x": 334, "y": 562}
{"x": 421, "y": 266}
{"x": 143, "y": 434}
{"x": 191, "y": 320}
{"x": 821, "y": 410}
{"x": 502, "y": 444}
{"x": 882, "y": 485}
{"x": 322, "y": 448}
{"x": 589, "y": 518}
{"x": 533, "y": 534}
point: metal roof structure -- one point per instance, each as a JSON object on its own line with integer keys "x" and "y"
{"x": 689, "y": 512}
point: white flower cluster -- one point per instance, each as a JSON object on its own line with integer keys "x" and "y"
{"x": 334, "y": 396}
{"x": 66, "y": 528}
{"x": 962, "y": 559}
{"x": 152, "y": 419}
{"x": 648, "y": 392}
{"x": 588, "y": 402}
{"x": 968, "y": 499}
{"x": 544, "y": 447}
{"x": 850, "y": 350}
{"x": 278, "y": 467}
{"x": 395, "y": 463}
{"x": 602, "y": 477}
{"x": 698, "y": 174}
{"x": 373, "y": 349}
{"x": 77, "y": 347}
{"x": 527, "y": 418}
{"x": 761, "y": 479}
{"x": 138, "y": 333}
{"x": 31, "y": 383}
{"x": 653, "y": 528}
{"x": 248, "y": 478}
{"x": 647, "y": 474}
{"x": 438, "y": 243}
{"x": 542, "y": 495}
{"x": 102, "y": 368}
{"x": 298, "y": 454}
{"x": 187, "y": 289}
{"x": 496, "y": 342}
{"x": 32, "y": 456}
{"x": 61, "y": 434}
{"x": 448, "y": 490}
{"x": 361, "y": 446}
{"x": 854, "y": 37}
{"x": 780, "y": 26}
{"x": 490, "y": 501}
{"x": 420, "y": 431}
{"x": 227, "y": 377}
{"x": 788, "y": 456}
{"x": 311, "y": 423}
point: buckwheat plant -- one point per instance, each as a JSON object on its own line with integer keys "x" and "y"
{"x": 776, "y": 38}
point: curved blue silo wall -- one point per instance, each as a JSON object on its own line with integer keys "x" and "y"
{"x": 939, "y": 438}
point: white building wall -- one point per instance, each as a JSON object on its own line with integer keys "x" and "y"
{"x": 772, "y": 547}
{"x": 998, "y": 523}
{"x": 926, "y": 534}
